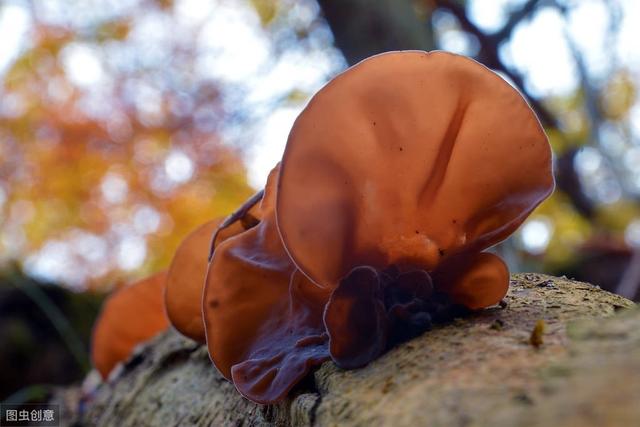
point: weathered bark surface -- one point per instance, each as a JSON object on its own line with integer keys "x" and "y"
{"x": 478, "y": 371}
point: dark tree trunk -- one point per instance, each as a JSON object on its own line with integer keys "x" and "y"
{"x": 362, "y": 28}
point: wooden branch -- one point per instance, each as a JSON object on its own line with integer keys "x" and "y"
{"x": 480, "y": 371}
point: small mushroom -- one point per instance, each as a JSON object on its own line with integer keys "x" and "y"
{"x": 476, "y": 280}
{"x": 185, "y": 282}
{"x": 263, "y": 319}
{"x": 186, "y": 275}
{"x": 130, "y": 316}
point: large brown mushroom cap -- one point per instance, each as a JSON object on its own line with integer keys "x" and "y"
{"x": 408, "y": 158}
{"x": 263, "y": 319}
{"x": 130, "y": 316}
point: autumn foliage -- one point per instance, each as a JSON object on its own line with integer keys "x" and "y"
{"x": 104, "y": 167}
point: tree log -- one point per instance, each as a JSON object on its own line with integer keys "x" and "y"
{"x": 482, "y": 370}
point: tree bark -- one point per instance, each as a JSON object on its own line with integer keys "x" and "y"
{"x": 479, "y": 371}
{"x": 362, "y": 28}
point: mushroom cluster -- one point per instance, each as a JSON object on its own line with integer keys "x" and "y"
{"x": 395, "y": 178}
{"x": 130, "y": 316}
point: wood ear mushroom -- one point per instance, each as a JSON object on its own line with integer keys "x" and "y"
{"x": 395, "y": 179}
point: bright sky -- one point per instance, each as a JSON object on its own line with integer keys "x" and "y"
{"x": 538, "y": 48}
{"x": 239, "y": 53}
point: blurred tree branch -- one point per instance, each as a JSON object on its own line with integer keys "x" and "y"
{"x": 526, "y": 11}
{"x": 363, "y": 28}
{"x": 630, "y": 281}
{"x": 490, "y": 44}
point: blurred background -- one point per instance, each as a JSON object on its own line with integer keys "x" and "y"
{"x": 126, "y": 123}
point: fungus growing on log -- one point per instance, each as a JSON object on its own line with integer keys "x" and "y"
{"x": 130, "y": 316}
{"x": 395, "y": 178}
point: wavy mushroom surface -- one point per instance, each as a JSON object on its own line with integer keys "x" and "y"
{"x": 263, "y": 319}
{"x": 130, "y": 316}
{"x": 406, "y": 159}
